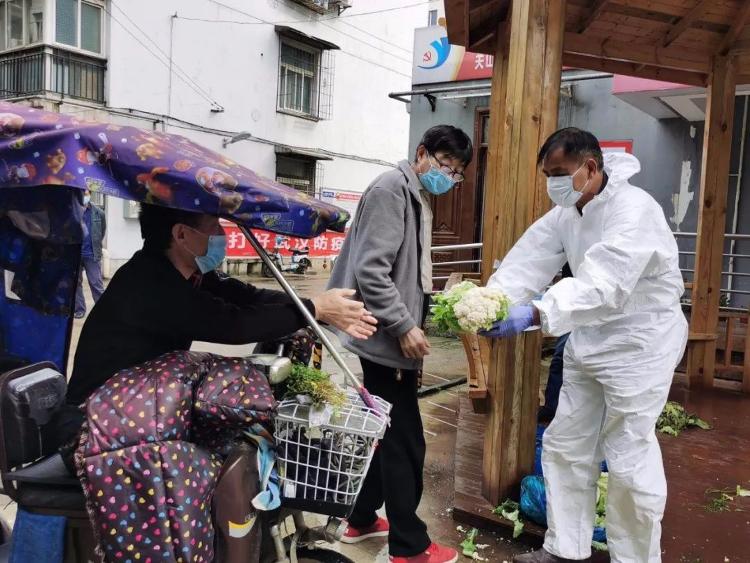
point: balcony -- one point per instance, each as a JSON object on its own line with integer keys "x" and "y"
{"x": 45, "y": 70}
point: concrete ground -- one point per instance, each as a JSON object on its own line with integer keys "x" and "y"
{"x": 439, "y": 413}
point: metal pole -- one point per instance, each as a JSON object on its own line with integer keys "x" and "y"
{"x": 448, "y": 247}
{"x": 483, "y": 87}
{"x": 430, "y": 389}
{"x": 298, "y": 302}
{"x": 738, "y": 184}
{"x": 171, "y": 62}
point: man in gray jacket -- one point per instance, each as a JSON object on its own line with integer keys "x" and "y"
{"x": 386, "y": 259}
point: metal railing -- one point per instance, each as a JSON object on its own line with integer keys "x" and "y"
{"x": 733, "y": 256}
{"x": 43, "y": 69}
{"x": 451, "y": 247}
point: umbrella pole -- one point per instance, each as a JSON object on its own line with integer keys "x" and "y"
{"x": 300, "y": 305}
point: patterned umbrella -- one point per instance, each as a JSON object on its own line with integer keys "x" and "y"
{"x": 46, "y": 148}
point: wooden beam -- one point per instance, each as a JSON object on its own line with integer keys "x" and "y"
{"x": 633, "y": 69}
{"x": 596, "y": 9}
{"x": 685, "y": 22}
{"x": 740, "y": 48}
{"x": 743, "y": 13}
{"x": 457, "y": 21}
{"x": 712, "y": 206}
{"x": 489, "y": 11}
{"x": 523, "y": 106}
{"x": 665, "y": 57}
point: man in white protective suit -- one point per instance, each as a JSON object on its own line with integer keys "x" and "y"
{"x": 628, "y": 333}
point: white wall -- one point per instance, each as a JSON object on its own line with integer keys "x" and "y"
{"x": 237, "y": 66}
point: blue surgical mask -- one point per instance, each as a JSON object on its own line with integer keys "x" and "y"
{"x": 86, "y": 199}
{"x": 436, "y": 182}
{"x": 561, "y": 191}
{"x": 215, "y": 254}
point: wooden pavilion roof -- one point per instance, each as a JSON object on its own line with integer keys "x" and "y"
{"x": 671, "y": 40}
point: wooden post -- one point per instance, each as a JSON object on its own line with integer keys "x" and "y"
{"x": 525, "y": 92}
{"x": 709, "y": 247}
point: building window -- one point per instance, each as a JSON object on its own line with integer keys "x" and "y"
{"x": 298, "y": 173}
{"x": 21, "y": 23}
{"x": 305, "y": 85}
{"x": 79, "y": 24}
{"x": 298, "y": 76}
{"x": 432, "y": 17}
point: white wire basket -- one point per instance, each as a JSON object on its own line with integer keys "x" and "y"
{"x": 322, "y": 467}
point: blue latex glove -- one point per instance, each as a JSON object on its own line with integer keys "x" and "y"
{"x": 519, "y": 319}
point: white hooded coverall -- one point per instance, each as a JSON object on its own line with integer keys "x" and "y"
{"x": 628, "y": 333}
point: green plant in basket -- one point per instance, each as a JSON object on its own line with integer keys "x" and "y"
{"x": 468, "y": 308}
{"x": 316, "y": 384}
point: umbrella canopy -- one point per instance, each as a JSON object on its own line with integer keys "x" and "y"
{"x": 40, "y": 148}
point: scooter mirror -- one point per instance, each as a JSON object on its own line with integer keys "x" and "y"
{"x": 276, "y": 369}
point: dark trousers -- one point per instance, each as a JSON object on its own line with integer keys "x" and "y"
{"x": 395, "y": 476}
{"x": 554, "y": 383}
{"x": 93, "y": 269}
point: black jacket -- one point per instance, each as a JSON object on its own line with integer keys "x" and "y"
{"x": 150, "y": 308}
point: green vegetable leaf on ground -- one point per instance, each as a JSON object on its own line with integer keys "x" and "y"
{"x": 510, "y": 510}
{"x": 674, "y": 419}
{"x": 469, "y": 545}
{"x": 599, "y": 546}
{"x": 723, "y": 500}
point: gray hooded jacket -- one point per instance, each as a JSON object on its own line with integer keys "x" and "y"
{"x": 381, "y": 260}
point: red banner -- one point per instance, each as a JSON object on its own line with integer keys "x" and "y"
{"x": 475, "y": 66}
{"x": 327, "y": 244}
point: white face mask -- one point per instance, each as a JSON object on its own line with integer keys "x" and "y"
{"x": 561, "y": 191}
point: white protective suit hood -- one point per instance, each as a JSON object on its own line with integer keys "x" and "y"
{"x": 620, "y": 166}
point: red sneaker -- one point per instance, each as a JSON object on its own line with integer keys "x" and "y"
{"x": 355, "y": 535}
{"x": 434, "y": 554}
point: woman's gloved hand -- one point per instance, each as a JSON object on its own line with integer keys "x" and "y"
{"x": 519, "y": 319}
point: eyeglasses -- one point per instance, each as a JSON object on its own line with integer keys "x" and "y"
{"x": 448, "y": 171}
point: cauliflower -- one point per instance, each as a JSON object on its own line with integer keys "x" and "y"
{"x": 468, "y": 308}
{"x": 479, "y": 308}
{"x": 442, "y": 310}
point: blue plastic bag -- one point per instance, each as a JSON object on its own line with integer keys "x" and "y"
{"x": 534, "y": 504}
{"x": 534, "y": 499}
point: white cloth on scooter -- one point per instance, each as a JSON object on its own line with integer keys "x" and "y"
{"x": 628, "y": 333}
{"x": 269, "y": 497}
{"x": 425, "y": 261}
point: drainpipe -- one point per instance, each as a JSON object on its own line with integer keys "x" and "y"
{"x": 171, "y": 47}
{"x": 738, "y": 184}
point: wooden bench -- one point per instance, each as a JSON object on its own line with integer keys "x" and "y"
{"x": 477, "y": 356}
{"x": 732, "y": 351}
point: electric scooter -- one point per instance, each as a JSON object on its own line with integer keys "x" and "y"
{"x": 34, "y": 476}
{"x": 300, "y": 261}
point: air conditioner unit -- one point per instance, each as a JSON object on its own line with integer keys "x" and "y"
{"x": 325, "y": 6}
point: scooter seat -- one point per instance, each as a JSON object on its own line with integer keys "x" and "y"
{"x": 49, "y": 471}
{"x": 47, "y": 485}
{"x": 41, "y": 498}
